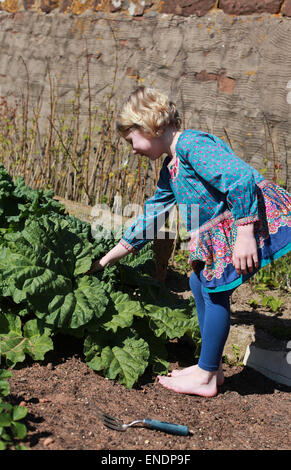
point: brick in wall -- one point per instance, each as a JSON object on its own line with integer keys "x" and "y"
{"x": 187, "y": 7}
{"x": 247, "y": 7}
{"x": 286, "y": 10}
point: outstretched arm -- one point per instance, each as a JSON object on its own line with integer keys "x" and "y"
{"x": 146, "y": 226}
{"x": 114, "y": 255}
{"x": 156, "y": 211}
{"x": 245, "y": 253}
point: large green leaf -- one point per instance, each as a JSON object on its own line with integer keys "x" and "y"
{"x": 44, "y": 256}
{"x": 171, "y": 323}
{"x": 121, "y": 312}
{"x": 157, "y": 346}
{"x": 67, "y": 239}
{"x": 18, "y": 202}
{"x": 23, "y": 273}
{"x": 41, "y": 264}
{"x": 18, "y": 429}
{"x": 7, "y": 204}
{"x": 14, "y": 344}
{"x": 19, "y": 412}
{"x": 127, "y": 360}
{"x": 4, "y": 385}
{"x": 73, "y": 309}
{"x": 5, "y": 414}
{"x": 6, "y": 183}
{"x": 82, "y": 243}
{"x": 49, "y": 242}
{"x": 145, "y": 262}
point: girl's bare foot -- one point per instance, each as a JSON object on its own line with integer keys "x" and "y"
{"x": 197, "y": 382}
{"x": 189, "y": 370}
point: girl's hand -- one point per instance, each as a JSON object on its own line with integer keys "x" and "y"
{"x": 114, "y": 255}
{"x": 96, "y": 266}
{"x": 245, "y": 253}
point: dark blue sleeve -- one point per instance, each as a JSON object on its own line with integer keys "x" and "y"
{"x": 156, "y": 211}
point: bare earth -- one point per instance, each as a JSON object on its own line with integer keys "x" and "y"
{"x": 249, "y": 412}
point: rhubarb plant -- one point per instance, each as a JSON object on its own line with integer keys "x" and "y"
{"x": 12, "y": 429}
{"x": 122, "y": 314}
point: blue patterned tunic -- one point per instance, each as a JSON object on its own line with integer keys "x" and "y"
{"x": 215, "y": 192}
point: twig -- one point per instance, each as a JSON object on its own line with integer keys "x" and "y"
{"x": 228, "y": 139}
{"x": 71, "y": 159}
{"x": 25, "y": 119}
{"x": 49, "y": 140}
{"x": 89, "y": 114}
{"x": 273, "y": 148}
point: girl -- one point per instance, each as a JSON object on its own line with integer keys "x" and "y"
{"x": 244, "y": 221}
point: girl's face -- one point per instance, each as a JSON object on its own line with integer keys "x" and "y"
{"x": 152, "y": 147}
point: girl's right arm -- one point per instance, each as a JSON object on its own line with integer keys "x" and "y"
{"x": 114, "y": 255}
{"x": 146, "y": 226}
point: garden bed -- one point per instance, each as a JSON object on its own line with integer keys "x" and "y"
{"x": 61, "y": 394}
{"x": 55, "y": 352}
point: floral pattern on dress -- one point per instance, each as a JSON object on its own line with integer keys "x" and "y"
{"x": 217, "y": 237}
{"x": 174, "y": 168}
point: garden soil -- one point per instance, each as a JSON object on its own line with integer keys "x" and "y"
{"x": 62, "y": 393}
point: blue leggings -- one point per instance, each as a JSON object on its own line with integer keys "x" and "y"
{"x": 213, "y": 311}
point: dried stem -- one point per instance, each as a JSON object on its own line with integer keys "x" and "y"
{"x": 25, "y": 119}
{"x": 70, "y": 158}
{"x": 87, "y": 165}
{"x": 49, "y": 140}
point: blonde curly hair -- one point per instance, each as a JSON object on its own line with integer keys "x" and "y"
{"x": 148, "y": 110}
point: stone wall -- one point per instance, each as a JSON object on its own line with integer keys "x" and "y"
{"x": 140, "y": 7}
{"x": 227, "y": 64}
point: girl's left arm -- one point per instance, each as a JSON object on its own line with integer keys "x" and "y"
{"x": 245, "y": 253}
{"x": 217, "y": 165}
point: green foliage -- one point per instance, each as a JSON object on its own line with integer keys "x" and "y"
{"x": 15, "y": 341}
{"x": 19, "y": 203}
{"x": 236, "y": 354}
{"x": 270, "y": 301}
{"x": 275, "y": 275}
{"x": 181, "y": 262}
{"x": 11, "y": 428}
{"x": 124, "y": 316}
